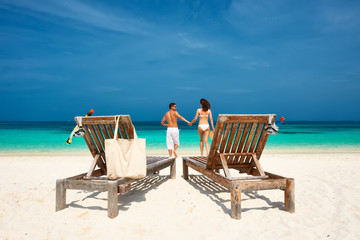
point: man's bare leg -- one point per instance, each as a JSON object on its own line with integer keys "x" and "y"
{"x": 170, "y": 152}
{"x": 175, "y": 147}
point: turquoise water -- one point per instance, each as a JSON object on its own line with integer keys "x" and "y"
{"x": 40, "y": 137}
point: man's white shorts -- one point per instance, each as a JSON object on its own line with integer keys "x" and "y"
{"x": 172, "y": 138}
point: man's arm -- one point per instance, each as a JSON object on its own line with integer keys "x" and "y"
{"x": 180, "y": 117}
{"x": 163, "y": 121}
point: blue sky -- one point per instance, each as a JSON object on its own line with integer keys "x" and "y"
{"x": 298, "y": 59}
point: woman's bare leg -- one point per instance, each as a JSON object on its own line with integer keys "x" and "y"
{"x": 201, "y": 135}
{"x": 206, "y": 139}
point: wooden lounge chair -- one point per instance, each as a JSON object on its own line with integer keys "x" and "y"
{"x": 97, "y": 129}
{"x": 238, "y": 143}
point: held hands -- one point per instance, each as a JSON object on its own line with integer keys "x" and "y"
{"x": 189, "y": 123}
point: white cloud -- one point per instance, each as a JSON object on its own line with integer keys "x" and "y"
{"x": 190, "y": 43}
{"x": 81, "y": 12}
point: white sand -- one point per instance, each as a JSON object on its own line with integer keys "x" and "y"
{"x": 327, "y": 203}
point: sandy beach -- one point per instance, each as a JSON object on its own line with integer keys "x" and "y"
{"x": 274, "y": 80}
{"x": 157, "y": 207}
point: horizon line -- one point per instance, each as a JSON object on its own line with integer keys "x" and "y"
{"x": 139, "y": 121}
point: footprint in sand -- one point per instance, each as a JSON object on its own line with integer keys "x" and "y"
{"x": 85, "y": 215}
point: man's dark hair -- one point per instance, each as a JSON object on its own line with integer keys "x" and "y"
{"x": 171, "y": 104}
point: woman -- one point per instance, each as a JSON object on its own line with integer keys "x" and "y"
{"x": 204, "y": 129}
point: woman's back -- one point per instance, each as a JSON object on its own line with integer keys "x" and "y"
{"x": 203, "y": 116}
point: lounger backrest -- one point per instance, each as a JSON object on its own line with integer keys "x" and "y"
{"x": 238, "y": 134}
{"x": 99, "y": 128}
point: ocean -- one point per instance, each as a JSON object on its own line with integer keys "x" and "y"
{"x": 50, "y": 137}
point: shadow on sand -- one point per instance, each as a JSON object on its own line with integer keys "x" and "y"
{"x": 137, "y": 193}
{"x": 213, "y": 190}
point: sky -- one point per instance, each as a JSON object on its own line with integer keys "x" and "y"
{"x": 297, "y": 59}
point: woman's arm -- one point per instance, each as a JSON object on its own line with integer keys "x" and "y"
{"x": 195, "y": 118}
{"x": 211, "y": 120}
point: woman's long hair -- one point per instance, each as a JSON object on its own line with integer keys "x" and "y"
{"x": 205, "y": 105}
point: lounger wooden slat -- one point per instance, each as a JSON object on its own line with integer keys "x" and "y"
{"x": 261, "y": 144}
{"x": 119, "y": 132}
{"x": 248, "y": 141}
{"x": 242, "y": 141}
{"x": 104, "y": 131}
{"x": 96, "y": 138}
{"x": 254, "y": 142}
{"x": 231, "y": 137}
{"x": 89, "y": 141}
{"x": 225, "y": 137}
{"x": 123, "y": 132}
{"x": 109, "y": 130}
{"x": 238, "y": 143}
{"x": 100, "y": 135}
{"x": 97, "y": 129}
{"x": 215, "y": 144}
{"x": 128, "y": 128}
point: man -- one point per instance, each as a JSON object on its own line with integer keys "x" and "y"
{"x": 172, "y": 134}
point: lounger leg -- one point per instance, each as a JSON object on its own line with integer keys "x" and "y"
{"x": 124, "y": 188}
{"x": 173, "y": 170}
{"x": 112, "y": 199}
{"x": 60, "y": 194}
{"x": 290, "y": 196}
{"x": 235, "y": 190}
{"x": 185, "y": 170}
